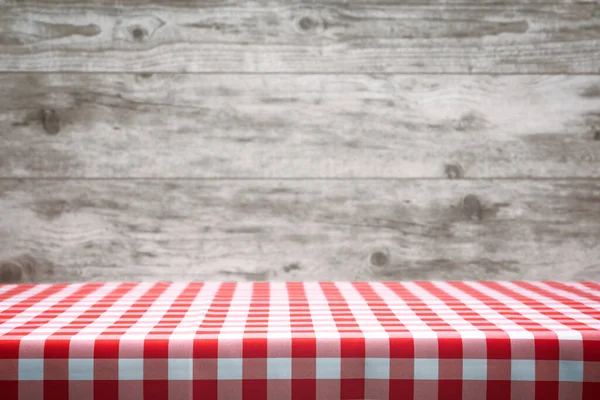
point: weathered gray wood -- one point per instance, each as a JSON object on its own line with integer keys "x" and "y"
{"x": 309, "y": 230}
{"x": 282, "y": 36}
{"x": 25, "y": 268}
{"x": 281, "y": 126}
{"x": 204, "y": 3}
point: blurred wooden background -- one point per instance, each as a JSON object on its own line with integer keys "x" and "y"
{"x": 299, "y": 140}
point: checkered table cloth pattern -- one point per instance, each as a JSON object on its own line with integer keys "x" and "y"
{"x": 301, "y": 340}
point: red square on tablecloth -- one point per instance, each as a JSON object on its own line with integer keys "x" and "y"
{"x": 499, "y": 370}
{"x": 255, "y": 368}
{"x": 591, "y": 348}
{"x": 589, "y": 390}
{"x": 352, "y": 347}
{"x": 106, "y": 348}
{"x": 547, "y": 349}
{"x": 156, "y": 389}
{"x": 547, "y": 390}
{"x": 109, "y": 389}
{"x": 450, "y": 369}
{"x": 205, "y": 368}
{"x": 56, "y": 390}
{"x": 57, "y": 348}
{"x": 304, "y": 368}
{"x": 255, "y": 348}
{"x": 591, "y": 371}
{"x": 156, "y": 369}
{"x": 9, "y": 370}
{"x": 402, "y": 368}
{"x": 303, "y": 388}
{"x": 352, "y": 388}
{"x": 304, "y": 347}
{"x": 10, "y": 348}
{"x": 56, "y": 369}
{"x": 255, "y": 388}
{"x": 352, "y": 368}
{"x": 450, "y": 347}
{"x": 206, "y": 348}
{"x": 450, "y": 389}
{"x": 106, "y": 369}
{"x": 546, "y": 370}
{"x": 154, "y": 348}
{"x": 402, "y": 347}
{"x": 205, "y": 389}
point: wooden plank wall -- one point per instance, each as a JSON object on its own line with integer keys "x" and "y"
{"x": 299, "y": 140}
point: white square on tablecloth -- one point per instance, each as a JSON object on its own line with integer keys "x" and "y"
{"x": 329, "y": 368}
{"x": 230, "y": 368}
{"x": 426, "y": 368}
{"x": 475, "y": 369}
{"x": 180, "y": 369}
{"x": 377, "y": 368}
{"x": 31, "y": 369}
{"x": 522, "y": 370}
{"x": 131, "y": 369}
{"x": 81, "y": 369}
{"x": 570, "y": 371}
{"x": 279, "y": 368}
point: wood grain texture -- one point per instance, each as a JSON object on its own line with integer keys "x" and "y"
{"x": 353, "y": 3}
{"x": 304, "y": 230}
{"x": 282, "y": 36}
{"x": 289, "y": 126}
{"x": 25, "y": 268}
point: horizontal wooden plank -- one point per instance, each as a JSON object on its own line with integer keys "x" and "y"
{"x": 290, "y": 126}
{"x": 292, "y": 230}
{"x": 353, "y": 3}
{"x": 301, "y": 36}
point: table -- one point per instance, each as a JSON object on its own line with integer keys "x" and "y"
{"x": 300, "y": 340}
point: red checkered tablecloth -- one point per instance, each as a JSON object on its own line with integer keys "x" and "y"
{"x": 301, "y": 340}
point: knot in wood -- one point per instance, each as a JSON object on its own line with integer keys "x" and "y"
{"x": 307, "y": 23}
{"x": 10, "y": 272}
{"x": 379, "y": 258}
{"x": 291, "y": 267}
{"x": 51, "y": 122}
{"x": 138, "y": 33}
{"x": 454, "y": 171}
{"x": 472, "y": 207}
{"x": 310, "y": 24}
